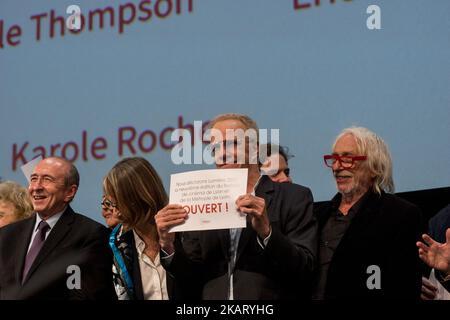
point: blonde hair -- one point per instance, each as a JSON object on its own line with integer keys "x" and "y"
{"x": 378, "y": 162}
{"x": 137, "y": 189}
{"x": 17, "y": 195}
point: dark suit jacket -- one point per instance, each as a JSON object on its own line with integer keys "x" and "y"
{"x": 383, "y": 232}
{"x": 74, "y": 240}
{"x": 437, "y": 227}
{"x": 439, "y": 224}
{"x": 277, "y": 272}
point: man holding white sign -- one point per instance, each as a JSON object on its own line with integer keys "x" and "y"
{"x": 271, "y": 257}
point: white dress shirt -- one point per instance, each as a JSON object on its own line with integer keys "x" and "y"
{"x": 153, "y": 275}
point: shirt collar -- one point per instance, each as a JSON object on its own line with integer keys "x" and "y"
{"x": 51, "y": 221}
{"x": 336, "y": 201}
{"x": 140, "y": 244}
{"x": 140, "y": 247}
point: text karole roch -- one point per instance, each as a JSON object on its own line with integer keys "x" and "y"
{"x": 128, "y": 140}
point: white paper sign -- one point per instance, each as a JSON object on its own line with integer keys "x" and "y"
{"x": 209, "y": 197}
{"x": 28, "y": 167}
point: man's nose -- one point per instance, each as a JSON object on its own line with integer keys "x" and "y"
{"x": 36, "y": 184}
{"x": 220, "y": 155}
{"x": 337, "y": 166}
{"x": 226, "y": 155}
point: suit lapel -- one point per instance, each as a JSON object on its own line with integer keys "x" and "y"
{"x": 246, "y": 234}
{"x": 264, "y": 190}
{"x": 323, "y": 212}
{"x": 367, "y": 210}
{"x": 24, "y": 241}
{"x": 136, "y": 272}
{"x": 62, "y": 227}
{"x": 224, "y": 238}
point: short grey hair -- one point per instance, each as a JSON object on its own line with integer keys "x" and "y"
{"x": 378, "y": 162}
{"x": 72, "y": 177}
{"x": 248, "y": 122}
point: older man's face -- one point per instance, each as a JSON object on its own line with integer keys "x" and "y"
{"x": 230, "y": 153}
{"x": 47, "y": 188}
{"x": 356, "y": 179}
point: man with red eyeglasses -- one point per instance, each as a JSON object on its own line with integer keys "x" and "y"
{"x": 367, "y": 235}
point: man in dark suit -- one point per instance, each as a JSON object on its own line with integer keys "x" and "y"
{"x": 57, "y": 253}
{"x": 271, "y": 258}
{"x": 367, "y": 236}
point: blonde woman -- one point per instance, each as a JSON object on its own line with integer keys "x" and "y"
{"x": 15, "y": 203}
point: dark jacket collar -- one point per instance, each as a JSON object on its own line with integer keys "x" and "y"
{"x": 365, "y": 205}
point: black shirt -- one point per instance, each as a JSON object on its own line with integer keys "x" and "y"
{"x": 330, "y": 237}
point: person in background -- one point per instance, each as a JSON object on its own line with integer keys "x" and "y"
{"x": 275, "y": 164}
{"x": 110, "y": 212}
{"x": 15, "y": 203}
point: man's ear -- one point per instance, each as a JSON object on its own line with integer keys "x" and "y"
{"x": 70, "y": 193}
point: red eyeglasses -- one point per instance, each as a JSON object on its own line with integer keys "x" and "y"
{"x": 345, "y": 161}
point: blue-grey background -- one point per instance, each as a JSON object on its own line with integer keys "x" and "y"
{"x": 309, "y": 73}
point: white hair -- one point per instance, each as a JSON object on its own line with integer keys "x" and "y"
{"x": 378, "y": 161}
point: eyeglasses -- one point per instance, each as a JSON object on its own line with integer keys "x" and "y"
{"x": 345, "y": 161}
{"x": 108, "y": 205}
{"x": 225, "y": 145}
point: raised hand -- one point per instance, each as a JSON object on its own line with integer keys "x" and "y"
{"x": 436, "y": 255}
{"x": 256, "y": 208}
{"x": 166, "y": 218}
{"x": 428, "y": 290}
